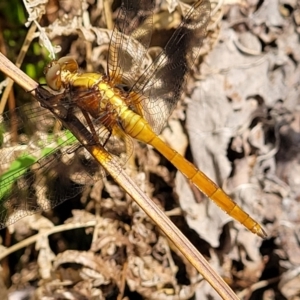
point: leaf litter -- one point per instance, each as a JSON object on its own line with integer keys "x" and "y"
{"x": 241, "y": 116}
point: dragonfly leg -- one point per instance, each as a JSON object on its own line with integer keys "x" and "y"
{"x": 91, "y": 126}
{"x": 106, "y": 140}
{"x": 55, "y": 100}
{"x": 52, "y": 102}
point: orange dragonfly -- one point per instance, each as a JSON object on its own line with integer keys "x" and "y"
{"x": 116, "y": 107}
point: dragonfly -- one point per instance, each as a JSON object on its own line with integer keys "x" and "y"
{"x": 116, "y": 107}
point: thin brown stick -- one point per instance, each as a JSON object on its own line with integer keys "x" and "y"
{"x": 18, "y": 63}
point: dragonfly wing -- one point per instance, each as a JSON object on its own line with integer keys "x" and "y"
{"x": 134, "y": 23}
{"x": 162, "y": 83}
{"x": 29, "y": 183}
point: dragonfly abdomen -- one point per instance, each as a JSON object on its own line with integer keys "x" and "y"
{"x": 207, "y": 186}
{"x": 136, "y": 126}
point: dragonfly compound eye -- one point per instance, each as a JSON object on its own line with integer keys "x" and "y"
{"x": 53, "y": 76}
{"x": 68, "y": 63}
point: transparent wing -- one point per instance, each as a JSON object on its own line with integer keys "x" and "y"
{"x": 134, "y": 22}
{"x": 42, "y": 168}
{"x": 162, "y": 83}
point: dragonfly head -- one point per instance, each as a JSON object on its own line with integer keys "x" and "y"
{"x": 55, "y": 68}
